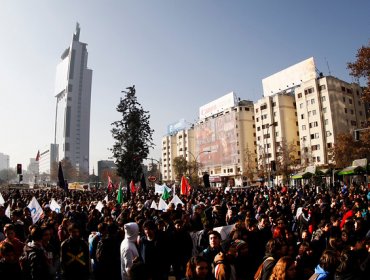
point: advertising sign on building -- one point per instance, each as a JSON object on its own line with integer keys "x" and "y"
{"x": 217, "y": 106}
{"x": 289, "y": 77}
{"x": 219, "y": 136}
{"x": 177, "y": 126}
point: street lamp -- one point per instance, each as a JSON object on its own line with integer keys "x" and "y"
{"x": 195, "y": 159}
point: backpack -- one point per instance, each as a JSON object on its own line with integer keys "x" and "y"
{"x": 258, "y": 274}
{"x": 99, "y": 251}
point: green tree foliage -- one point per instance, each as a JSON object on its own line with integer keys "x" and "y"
{"x": 180, "y": 166}
{"x": 133, "y": 137}
{"x": 286, "y": 159}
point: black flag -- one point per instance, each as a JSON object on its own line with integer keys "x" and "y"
{"x": 62, "y": 182}
{"x": 143, "y": 183}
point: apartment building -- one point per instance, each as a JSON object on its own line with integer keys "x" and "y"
{"x": 326, "y": 107}
{"x": 178, "y": 142}
{"x": 276, "y": 130}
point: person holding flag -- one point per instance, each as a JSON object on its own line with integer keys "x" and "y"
{"x": 185, "y": 187}
{"x": 120, "y": 194}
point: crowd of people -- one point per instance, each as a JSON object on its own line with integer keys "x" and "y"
{"x": 239, "y": 234}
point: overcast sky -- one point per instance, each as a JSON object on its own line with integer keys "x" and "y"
{"x": 180, "y": 55}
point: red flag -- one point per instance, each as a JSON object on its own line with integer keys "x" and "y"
{"x": 38, "y": 155}
{"x": 132, "y": 186}
{"x": 110, "y": 184}
{"x": 185, "y": 187}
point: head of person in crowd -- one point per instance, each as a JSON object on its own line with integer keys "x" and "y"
{"x": 285, "y": 269}
{"x": 328, "y": 263}
{"x": 276, "y": 248}
{"x": 74, "y": 231}
{"x": 214, "y": 238}
{"x": 149, "y": 228}
{"x": 197, "y": 268}
{"x": 238, "y": 248}
{"x": 8, "y": 253}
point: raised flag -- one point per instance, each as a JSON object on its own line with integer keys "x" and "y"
{"x": 154, "y": 205}
{"x": 165, "y": 194}
{"x": 7, "y": 211}
{"x": 176, "y": 200}
{"x": 185, "y": 187}
{"x": 54, "y": 206}
{"x": 36, "y": 210}
{"x": 2, "y": 201}
{"x": 143, "y": 183}
{"x": 162, "y": 205}
{"x": 99, "y": 206}
{"x": 132, "y": 186}
{"x": 62, "y": 182}
{"x": 120, "y": 194}
{"x": 110, "y": 184}
{"x": 38, "y": 155}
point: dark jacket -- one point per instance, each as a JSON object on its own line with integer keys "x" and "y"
{"x": 75, "y": 259}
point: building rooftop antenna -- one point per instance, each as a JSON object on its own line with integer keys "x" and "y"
{"x": 327, "y": 64}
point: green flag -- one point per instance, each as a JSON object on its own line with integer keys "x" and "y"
{"x": 165, "y": 194}
{"x": 120, "y": 194}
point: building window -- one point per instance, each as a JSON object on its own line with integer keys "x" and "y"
{"x": 344, "y": 99}
{"x": 324, "y": 110}
{"x": 304, "y": 127}
{"x": 273, "y": 104}
{"x": 258, "y": 128}
{"x": 352, "y": 112}
{"x": 323, "y": 98}
{"x": 318, "y": 159}
{"x": 326, "y": 121}
{"x": 313, "y": 112}
{"x": 350, "y": 101}
{"x": 302, "y": 116}
{"x": 276, "y": 133}
{"x": 300, "y": 95}
{"x": 328, "y": 133}
{"x": 322, "y": 87}
{"x": 301, "y": 105}
{"x": 353, "y": 123}
{"x": 312, "y": 101}
{"x": 345, "y": 110}
{"x": 343, "y": 89}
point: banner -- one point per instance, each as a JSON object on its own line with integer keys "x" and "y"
{"x": 36, "y": 210}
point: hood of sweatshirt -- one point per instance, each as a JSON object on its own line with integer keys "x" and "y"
{"x": 131, "y": 231}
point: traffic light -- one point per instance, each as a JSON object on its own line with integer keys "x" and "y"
{"x": 20, "y": 178}
{"x": 273, "y": 165}
{"x": 357, "y": 135}
{"x": 19, "y": 168}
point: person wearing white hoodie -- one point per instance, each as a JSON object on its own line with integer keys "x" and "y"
{"x": 128, "y": 249}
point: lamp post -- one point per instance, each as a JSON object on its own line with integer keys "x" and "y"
{"x": 195, "y": 160}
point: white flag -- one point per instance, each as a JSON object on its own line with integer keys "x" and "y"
{"x": 153, "y": 205}
{"x": 106, "y": 198}
{"x": 36, "y": 210}
{"x": 2, "y": 201}
{"x": 162, "y": 205}
{"x": 54, "y": 206}
{"x": 7, "y": 211}
{"x": 99, "y": 206}
{"x": 158, "y": 189}
{"x": 176, "y": 200}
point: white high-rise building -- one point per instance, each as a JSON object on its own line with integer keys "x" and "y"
{"x": 73, "y": 93}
